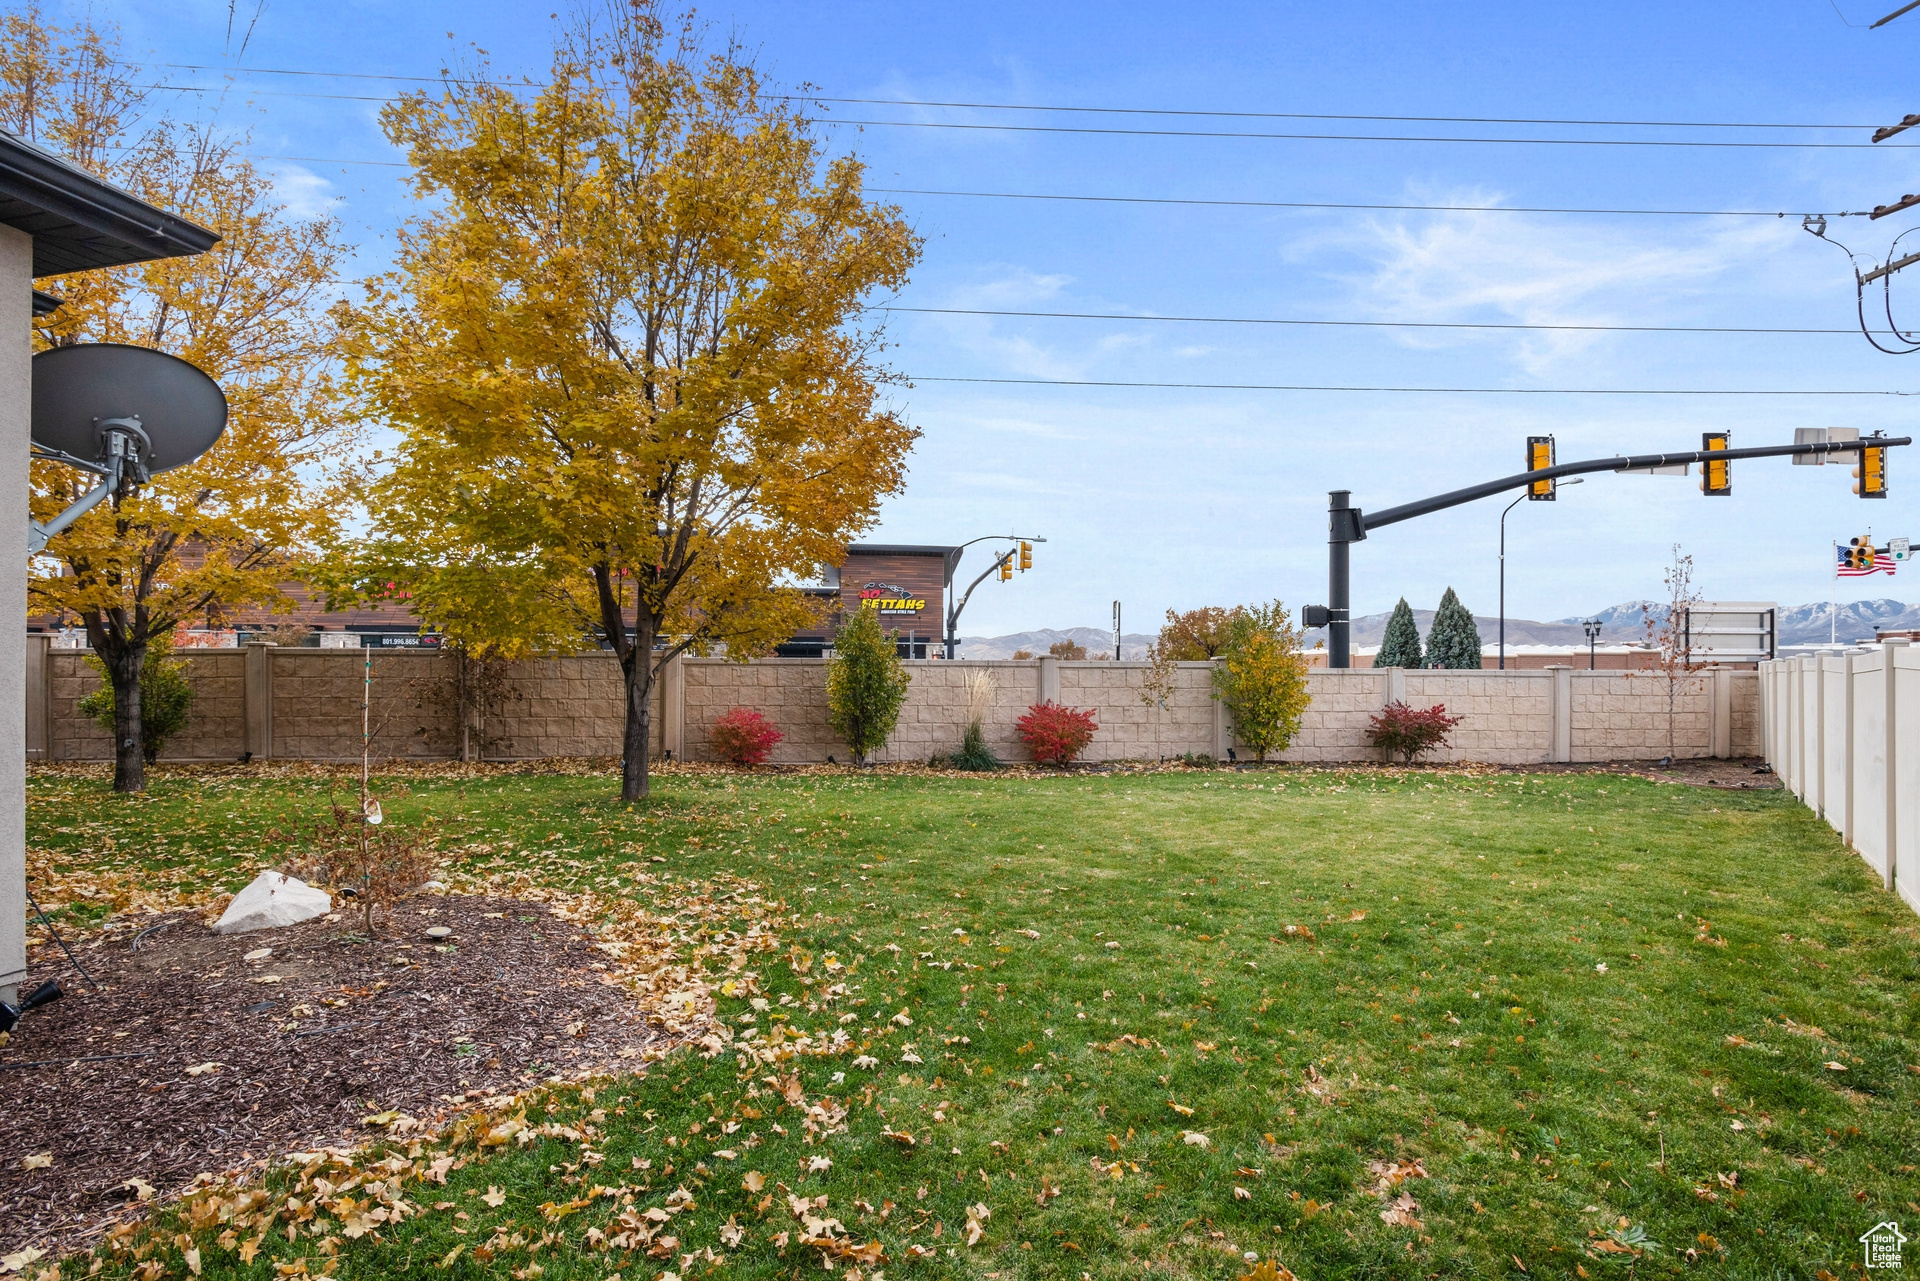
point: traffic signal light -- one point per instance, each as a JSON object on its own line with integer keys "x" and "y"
{"x": 1716, "y": 474}
{"x": 1006, "y": 568}
{"x": 1026, "y": 557}
{"x": 1870, "y": 471}
{"x": 1539, "y": 458}
{"x": 1860, "y": 552}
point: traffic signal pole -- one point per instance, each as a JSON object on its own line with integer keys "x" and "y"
{"x": 1347, "y": 524}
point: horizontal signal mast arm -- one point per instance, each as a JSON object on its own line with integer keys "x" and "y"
{"x": 1635, "y": 462}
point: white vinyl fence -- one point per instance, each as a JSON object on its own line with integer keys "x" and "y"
{"x": 1845, "y": 739}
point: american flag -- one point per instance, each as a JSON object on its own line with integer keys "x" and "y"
{"x": 1879, "y": 561}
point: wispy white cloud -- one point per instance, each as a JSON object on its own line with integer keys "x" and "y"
{"x": 305, "y": 193}
{"x": 1525, "y": 269}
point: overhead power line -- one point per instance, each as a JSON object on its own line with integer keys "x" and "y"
{"x": 1324, "y": 204}
{"x": 1439, "y": 391}
{"x": 1059, "y": 108}
{"x": 1357, "y": 324}
{"x": 1362, "y": 137}
{"x": 1226, "y": 204}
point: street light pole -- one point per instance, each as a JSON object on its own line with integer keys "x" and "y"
{"x": 1503, "y": 570}
{"x": 1592, "y": 626}
{"x": 953, "y": 607}
{"x": 1503, "y": 578}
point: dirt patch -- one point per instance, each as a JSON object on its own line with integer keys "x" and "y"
{"x": 113, "y": 1086}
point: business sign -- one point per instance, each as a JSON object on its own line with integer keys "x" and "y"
{"x": 890, "y": 600}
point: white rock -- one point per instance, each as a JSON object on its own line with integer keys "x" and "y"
{"x": 270, "y": 901}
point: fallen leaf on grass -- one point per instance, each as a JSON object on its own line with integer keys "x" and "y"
{"x": 494, "y": 1197}
{"x": 732, "y": 1234}
{"x": 1269, "y": 1271}
{"x": 1181, "y": 1108}
{"x": 816, "y": 1165}
{"x": 141, "y": 1189}
{"x": 20, "y": 1260}
{"x": 1298, "y": 932}
{"x": 1241, "y": 1194}
{"x": 753, "y": 1180}
{"x": 1831, "y": 1066}
{"x": 1193, "y": 1138}
{"x": 1403, "y": 1212}
{"x": 977, "y": 1215}
{"x": 901, "y": 1137}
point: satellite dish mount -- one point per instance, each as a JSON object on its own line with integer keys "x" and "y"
{"x": 82, "y": 398}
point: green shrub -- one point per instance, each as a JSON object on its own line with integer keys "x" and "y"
{"x": 166, "y": 699}
{"x": 866, "y": 684}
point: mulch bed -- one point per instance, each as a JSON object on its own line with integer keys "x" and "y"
{"x": 341, "y": 1029}
{"x": 1737, "y": 774}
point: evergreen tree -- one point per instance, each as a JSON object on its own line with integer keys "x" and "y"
{"x": 866, "y": 684}
{"x": 1400, "y": 647}
{"x": 1453, "y": 640}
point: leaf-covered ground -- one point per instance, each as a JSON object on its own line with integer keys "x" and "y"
{"x": 1362, "y": 1024}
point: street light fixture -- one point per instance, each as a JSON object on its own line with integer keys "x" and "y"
{"x": 1592, "y": 626}
{"x": 1528, "y": 493}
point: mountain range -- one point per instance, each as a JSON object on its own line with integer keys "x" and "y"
{"x": 1621, "y": 624}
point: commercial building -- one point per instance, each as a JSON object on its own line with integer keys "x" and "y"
{"x": 907, "y": 584}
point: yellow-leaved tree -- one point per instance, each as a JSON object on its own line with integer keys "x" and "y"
{"x": 224, "y": 532}
{"x": 624, "y": 352}
{"x": 1262, "y": 677}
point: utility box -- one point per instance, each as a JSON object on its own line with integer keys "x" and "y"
{"x": 1730, "y": 631}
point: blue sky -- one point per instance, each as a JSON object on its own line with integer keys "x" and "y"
{"x": 1179, "y": 497}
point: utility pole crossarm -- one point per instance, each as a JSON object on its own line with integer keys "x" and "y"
{"x": 1440, "y": 502}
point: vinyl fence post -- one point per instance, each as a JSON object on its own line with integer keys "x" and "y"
{"x": 1818, "y": 783}
{"x": 1846, "y": 754}
{"x": 1889, "y": 651}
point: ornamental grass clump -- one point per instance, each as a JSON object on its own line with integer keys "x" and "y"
{"x": 1054, "y": 735}
{"x": 743, "y": 737}
{"x": 974, "y": 754}
{"x": 1409, "y": 731}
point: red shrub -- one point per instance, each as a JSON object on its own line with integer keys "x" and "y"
{"x": 1409, "y": 731}
{"x": 743, "y": 736}
{"x": 1055, "y": 734}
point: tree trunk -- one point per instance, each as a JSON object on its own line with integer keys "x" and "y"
{"x": 638, "y": 670}
{"x": 124, "y": 664}
{"x": 465, "y": 702}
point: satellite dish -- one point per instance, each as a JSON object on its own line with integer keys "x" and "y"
{"x": 122, "y": 412}
{"x": 76, "y": 390}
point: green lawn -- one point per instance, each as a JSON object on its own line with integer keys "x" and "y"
{"x": 1565, "y": 1014}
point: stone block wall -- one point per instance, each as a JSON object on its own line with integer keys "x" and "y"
{"x": 1615, "y": 715}
{"x": 304, "y": 704}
